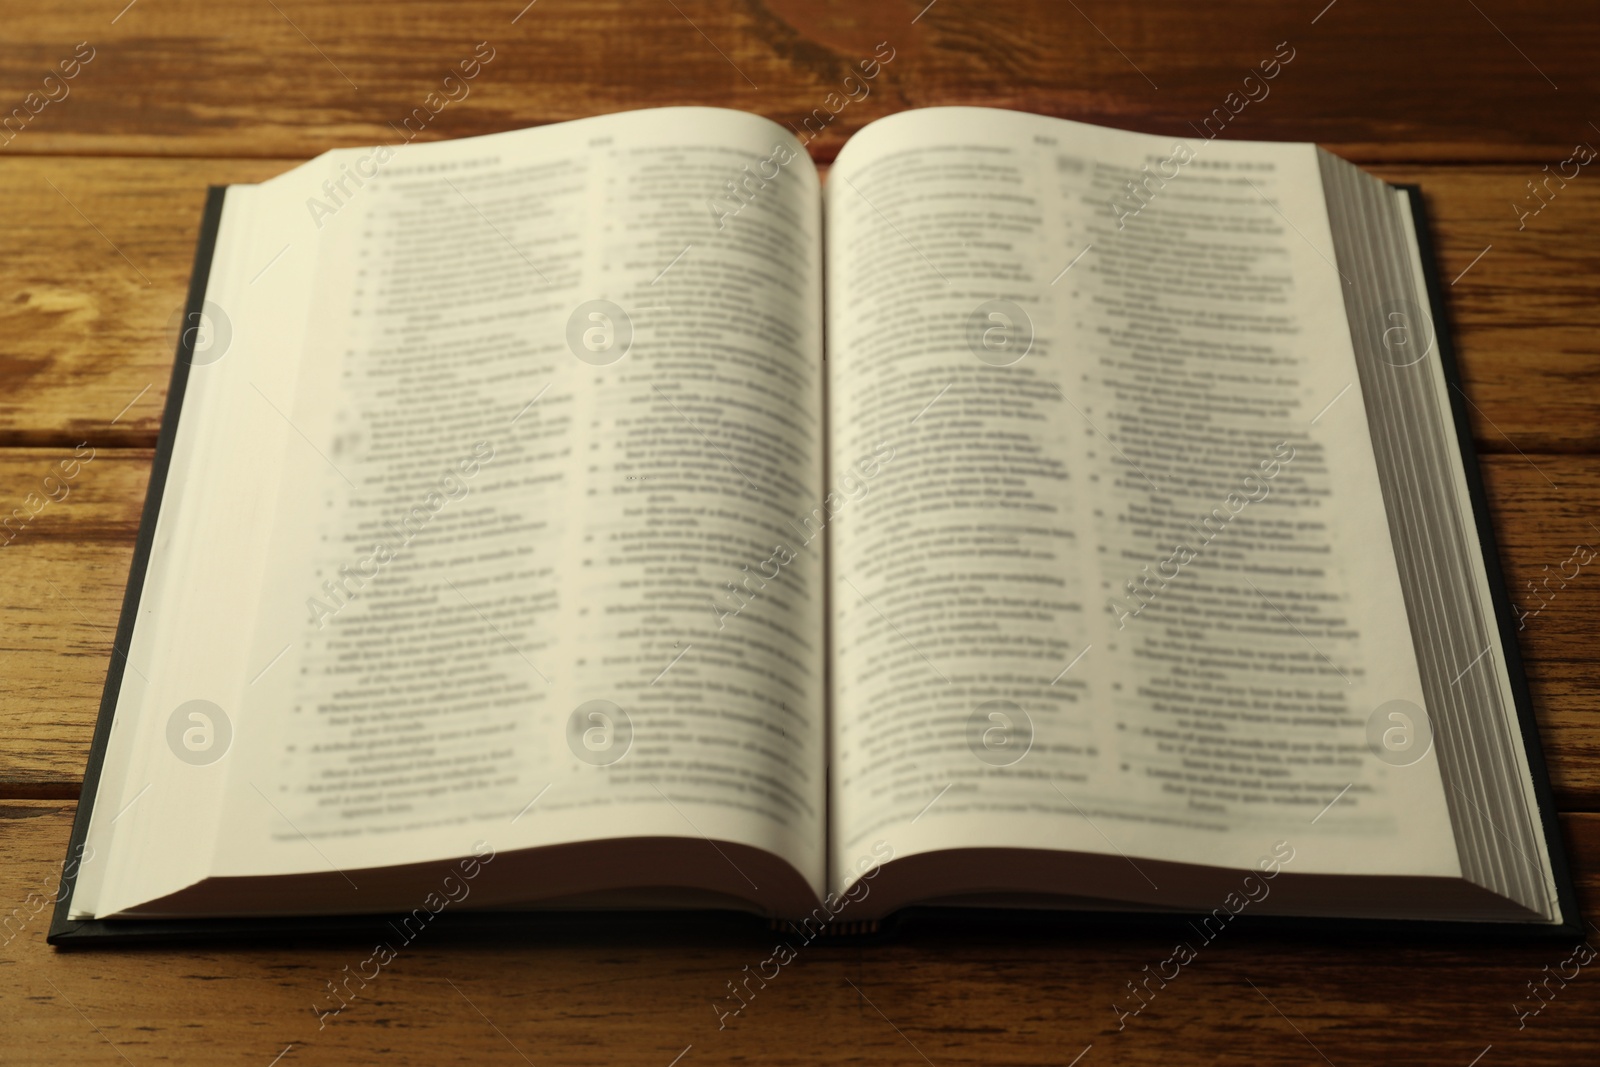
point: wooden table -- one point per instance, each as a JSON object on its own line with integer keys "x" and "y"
{"x": 102, "y": 190}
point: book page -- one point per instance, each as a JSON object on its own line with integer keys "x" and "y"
{"x": 558, "y": 397}
{"x": 157, "y": 788}
{"x": 1124, "y": 586}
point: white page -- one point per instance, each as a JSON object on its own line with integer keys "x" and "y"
{"x": 982, "y": 566}
{"x": 155, "y": 812}
{"x": 582, "y": 510}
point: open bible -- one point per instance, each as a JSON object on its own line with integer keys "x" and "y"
{"x": 615, "y": 515}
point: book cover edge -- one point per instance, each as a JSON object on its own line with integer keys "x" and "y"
{"x": 63, "y": 928}
{"x": 1499, "y": 595}
{"x": 65, "y": 932}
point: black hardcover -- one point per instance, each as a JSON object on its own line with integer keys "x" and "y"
{"x": 63, "y": 930}
{"x": 547, "y": 926}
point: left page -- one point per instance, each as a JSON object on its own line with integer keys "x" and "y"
{"x": 554, "y": 387}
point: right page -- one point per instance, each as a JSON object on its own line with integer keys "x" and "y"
{"x": 1117, "y": 578}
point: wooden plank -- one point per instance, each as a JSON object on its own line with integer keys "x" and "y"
{"x": 1433, "y": 81}
{"x": 66, "y": 569}
{"x": 1545, "y": 516}
{"x": 947, "y": 999}
{"x": 83, "y": 334}
{"x": 67, "y": 535}
{"x": 1521, "y": 294}
{"x": 97, "y": 263}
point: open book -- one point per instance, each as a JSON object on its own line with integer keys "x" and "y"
{"x": 1033, "y": 515}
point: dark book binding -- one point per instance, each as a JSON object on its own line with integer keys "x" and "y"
{"x": 549, "y": 925}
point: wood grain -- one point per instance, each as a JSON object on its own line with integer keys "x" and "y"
{"x": 66, "y": 570}
{"x": 1543, "y": 508}
{"x": 63, "y": 568}
{"x": 99, "y": 253}
{"x": 102, "y": 192}
{"x": 939, "y": 997}
{"x": 1526, "y": 315}
{"x": 97, "y": 264}
{"x": 1418, "y": 82}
